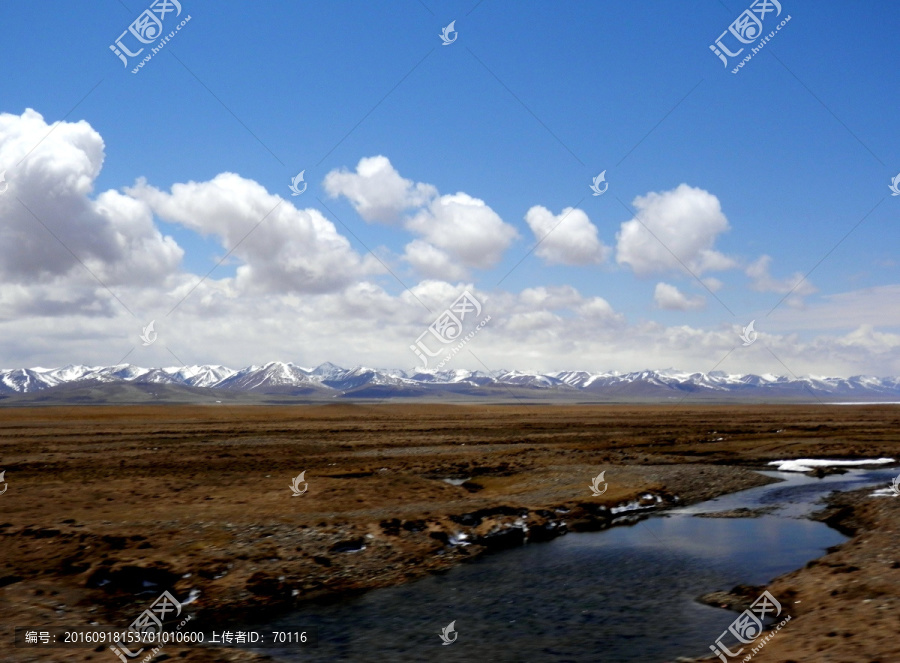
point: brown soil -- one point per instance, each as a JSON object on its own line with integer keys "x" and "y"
{"x": 847, "y": 604}
{"x": 102, "y": 499}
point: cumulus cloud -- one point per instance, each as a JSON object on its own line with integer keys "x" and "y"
{"x": 58, "y": 229}
{"x": 670, "y": 298}
{"x": 431, "y": 296}
{"x": 568, "y": 238}
{"x": 465, "y": 228}
{"x": 431, "y": 262}
{"x": 377, "y": 191}
{"x": 455, "y": 232}
{"x": 542, "y": 328}
{"x": 282, "y": 248}
{"x": 550, "y": 317}
{"x": 553, "y": 298}
{"x": 685, "y": 221}
{"x": 301, "y": 293}
{"x": 594, "y": 309}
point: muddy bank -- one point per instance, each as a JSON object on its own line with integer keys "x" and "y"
{"x": 846, "y": 605}
{"x": 843, "y": 606}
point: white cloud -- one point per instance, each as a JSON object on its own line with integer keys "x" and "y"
{"x": 431, "y": 262}
{"x": 712, "y": 283}
{"x": 455, "y": 232}
{"x": 871, "y": 307}
{"x": 64, "y": 230}
{"x": 596, "y": 309}
{"x": 557, "y": 317}
{"x": 465, "y": 228}
{"x": 428, "y": 297}
{"x": 282, "y": 248}
{"x": 685, "y": 221}
{"x": 866, "y": 340}
{"x": 543, "y": 328}
{"x": 670, "y": 298}
{"x": 376, "y": 190}
{"x": 552, "y": 298}
{"x": 303, "y": 294}
{"x": 763, "y": 281}
{"x": 568, "y": 238}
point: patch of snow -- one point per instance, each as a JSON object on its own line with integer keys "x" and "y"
{"x": 192, "y": 596}
{"x": 867, "y": 403}
{"x": 807, "y": 464}
{"x": 455, "y": 482}
{"x": 636, "y": 505}
{"x": 630, "y": 506}
{"x": 458, "y": 540}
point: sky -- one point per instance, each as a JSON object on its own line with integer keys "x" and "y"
{"x": 158, "y": 189}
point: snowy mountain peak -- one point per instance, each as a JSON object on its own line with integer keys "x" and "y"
{"x": 330, "y": 380}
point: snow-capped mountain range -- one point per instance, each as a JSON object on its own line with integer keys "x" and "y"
{"x": 328, "y": 381}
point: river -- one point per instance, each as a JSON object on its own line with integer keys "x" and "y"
{"x": 624, "y": 594}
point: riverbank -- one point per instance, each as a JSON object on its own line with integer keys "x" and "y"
{"x": 104, "y": 500}
{"x": 844, "y": 605}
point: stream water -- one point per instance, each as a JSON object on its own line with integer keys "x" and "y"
{"x": 624, "y": 594}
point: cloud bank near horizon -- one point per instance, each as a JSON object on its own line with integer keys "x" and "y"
{"x": 83, "y": 271}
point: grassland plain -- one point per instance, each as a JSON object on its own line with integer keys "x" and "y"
{"x": 103, "y": 500}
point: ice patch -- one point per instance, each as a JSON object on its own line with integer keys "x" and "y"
{"x": 630, "y": 506}
{"x": 867, "y": 403}
{"x": 455, "y": 482}
{"x": 192, "y": 596}
{"x": 807, "y": 464}
{"x": 458, "y": 540}
{"x": 636, "y": 505}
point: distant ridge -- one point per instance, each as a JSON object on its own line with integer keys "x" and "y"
{"x": 328, "y": 381}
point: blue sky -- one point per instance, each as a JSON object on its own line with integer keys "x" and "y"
{"x": 529, "y": 103}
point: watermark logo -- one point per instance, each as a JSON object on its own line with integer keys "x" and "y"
{"x": 445, "y": 34}
{"x": 4, "y": 185}
{"x": 5, "y": 486}
{"x": 147, "y": 29}
{"x": 295, "y": 485}
{"x": 448, "y": 328}
{"x": 149, "y": 622}
{"x": 600, "y": 179}
{"x": 747, "y": 29}
{"x": 449, "y": 630}
{"x": 748, "y": 627}
{"x": 297, "y": 180}
{"x": 748, "y": 334}
{"x": 895, "y": 485}
{"x": 595, "y": 484}
{"x": 148, "y": 334}
{"x": 895, "y": 185}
